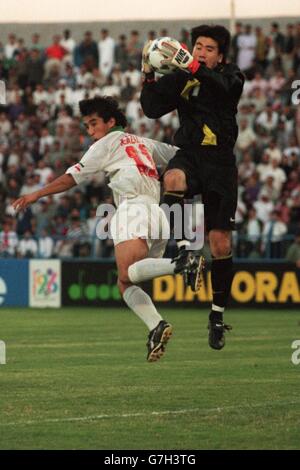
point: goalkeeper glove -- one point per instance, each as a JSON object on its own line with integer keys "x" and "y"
{"x": 178, "y": 55}
{"x": 146, "y": 67}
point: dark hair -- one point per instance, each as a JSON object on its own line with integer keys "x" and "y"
{"x": 106, "y": 107}
{"x": 216, "y": 32}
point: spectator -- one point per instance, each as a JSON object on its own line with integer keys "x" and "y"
{"x": 69, "y": 76}
{"x": 40, "y": 94}
{"x": 30, "y": 185}
{"x": 12, "y": 188}
{"x": 11, "y": 47}
{"x": 258, "y": 99}
{"x": 185, "y": 37}
{"x": 268, "y": 120}
{"x": 274, "y": 152}
{"x": 5, "y": 124}
{"x": 68, "y": 44}
{"x": 258, "y": 82}
{"x": 234, "y": 42}
{"x": 246, "y": 139}
{"x": 127, "y": 91}
{"x": 8, "y": 240}
{"x": 268, "y": 188}
{"x": 45, "y": 141}
{"x": 134, "y": 49}
{"x": 277, "y": 174}
{"x": 35, "y": 43}
{"x": 121, "y": 53}
{"x": 293, "y": 252}
{"x": 294, "y": 203}
{"x": 264, "y": 167}
{"x": 35, "y": 68}
{"x": 157, "y": 132}
{"x": 77, "y": 235}
{"x": 45, "y": 245}
{"x": 28, "y": 247}
{"x": 261, "y": 48}
{"x": 67, "y": 92}
{"x": 246, "y": 43}
{"x": 110, "y": 89}
{"x": 246, "y": 167}
{"x": 133, "y": 74}
{"x": 87, "y": 52}
{"x": 273, "y": 234}
{"x": 264, "y": 207}
{"x": 277, "y": 38}
{"x": 253, "y": 233}
{"x": 276, "y": 83}
{"x": 54, "y": 54}
{"x": 42, "y": 217}
{"x": 106, "y": 47}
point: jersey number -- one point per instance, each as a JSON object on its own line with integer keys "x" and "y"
{"x": 148, "y": 167}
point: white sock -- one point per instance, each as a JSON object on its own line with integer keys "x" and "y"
{"x": 150, "y": 268}
{"x": 141, "y": 304}
{"x": 216, "y": 308}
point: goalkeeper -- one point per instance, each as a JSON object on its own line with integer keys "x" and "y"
{"x": 205, "y": 90}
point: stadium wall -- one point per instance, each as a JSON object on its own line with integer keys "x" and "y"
{"x": 47, "y": 30}
{"x": 55, "y": 283}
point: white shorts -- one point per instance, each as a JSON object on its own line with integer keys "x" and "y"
{"x": 141, "y": 218}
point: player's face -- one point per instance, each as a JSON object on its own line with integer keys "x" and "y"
{"x": 96, "y": 127}
{"x": 206, "y": 50}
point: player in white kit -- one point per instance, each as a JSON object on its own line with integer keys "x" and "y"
{"x": 139, "y": 227}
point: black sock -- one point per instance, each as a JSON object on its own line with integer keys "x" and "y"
{"x": 216, "y": 316}
{"x": 221, "y": 279}
{"x": 176, "y": 223}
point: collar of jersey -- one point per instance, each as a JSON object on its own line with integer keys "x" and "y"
{"x": 116, "y": 128}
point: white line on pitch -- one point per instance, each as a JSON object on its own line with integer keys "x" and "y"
{"x": 247, "y": 406}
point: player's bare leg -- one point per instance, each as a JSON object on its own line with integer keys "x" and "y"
{"x": 128, "y": 253}
{"x": 221, "y": 278}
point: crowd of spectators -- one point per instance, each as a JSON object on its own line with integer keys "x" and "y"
{"x": 41, "y": 135}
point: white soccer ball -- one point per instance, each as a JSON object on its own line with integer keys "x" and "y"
{"x": 156, "y": 57}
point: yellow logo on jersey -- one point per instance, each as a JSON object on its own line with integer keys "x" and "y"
{"x": 210, "y": 137}
{"x": 188, "y": 86}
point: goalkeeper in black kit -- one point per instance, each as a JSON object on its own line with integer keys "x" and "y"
{"x": 205, "y": 90}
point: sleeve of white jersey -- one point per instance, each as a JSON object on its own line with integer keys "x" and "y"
{"x": 92, "y": 162}
{"x": 163, "y": 153}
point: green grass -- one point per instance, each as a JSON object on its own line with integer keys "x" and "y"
{"x": 90, "y": 364}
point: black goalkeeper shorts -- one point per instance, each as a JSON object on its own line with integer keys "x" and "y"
{"x": 216, "y": 181}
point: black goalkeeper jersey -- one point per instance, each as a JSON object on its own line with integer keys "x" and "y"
{"x": 206, "y": 102}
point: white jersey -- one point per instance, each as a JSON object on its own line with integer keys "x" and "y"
{"x": 129, "y": 161}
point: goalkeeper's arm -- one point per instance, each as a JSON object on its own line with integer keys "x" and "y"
{"x": 160, "y": 97}
{"x": 231, "y": 81}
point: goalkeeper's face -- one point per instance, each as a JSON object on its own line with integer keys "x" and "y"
{"x": 206, "y": 51}
{"x": 96, "y": 127}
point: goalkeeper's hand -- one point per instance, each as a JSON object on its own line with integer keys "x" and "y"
{"x": 146, "y": 67}
{"x": 178, "y": 55}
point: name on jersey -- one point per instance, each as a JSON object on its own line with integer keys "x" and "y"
{"x": 130, "y": 139}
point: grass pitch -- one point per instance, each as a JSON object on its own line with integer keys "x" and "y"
{"x": 78, "y": 379}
